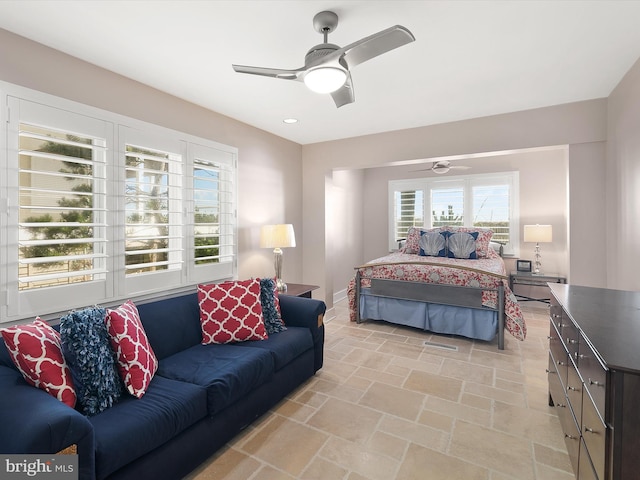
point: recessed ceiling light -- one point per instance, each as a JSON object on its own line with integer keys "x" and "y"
{"x": 290, "y": 120}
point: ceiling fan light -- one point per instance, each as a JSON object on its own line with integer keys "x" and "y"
{"x": 325, "y": 79}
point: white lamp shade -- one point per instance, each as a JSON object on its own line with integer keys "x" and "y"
{"x": 538, "y": 233}
{"x": 277, "y": 236}
{"x": 325, "y": 79}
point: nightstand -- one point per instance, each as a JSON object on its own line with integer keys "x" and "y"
{"x": 533, "y": 280}
{"x": 299, "y": 290}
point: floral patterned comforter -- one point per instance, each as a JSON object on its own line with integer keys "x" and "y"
{"x": 487, "y": 272}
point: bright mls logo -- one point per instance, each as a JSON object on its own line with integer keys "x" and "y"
{"x": 50, "y": 467}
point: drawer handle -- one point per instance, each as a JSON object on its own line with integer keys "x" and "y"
{"x": 571, "y": 341}
{"x": 570, "y": 437}
{"x": 573, "y": 389}
{"x": 555, "y": 315}
{"x": 596, "y": 383}
{"x": 561, "y": 405}
{"x": 549, "y": 371}
{"x": 561, "y": 363}
{"x": 589, "y": 430}
{"x": 581, "y": 356}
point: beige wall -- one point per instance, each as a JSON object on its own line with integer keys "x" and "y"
{"x": 623, "y": 183}
{"x": 580, "y": 124}
{"x": 269, "y": 167}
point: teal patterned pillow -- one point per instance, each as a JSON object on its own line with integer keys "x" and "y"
{"x": 87, "y": 350}
{"x": 272, "y": 319}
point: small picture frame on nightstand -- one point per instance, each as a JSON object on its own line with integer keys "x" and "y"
{"x": 523, "y": 265}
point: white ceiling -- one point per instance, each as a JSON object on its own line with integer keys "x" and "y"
{"x": 470, "y": 58}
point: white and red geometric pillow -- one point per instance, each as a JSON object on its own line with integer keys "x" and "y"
{"x": 135, "y": 358}
{"x": 36, "y": 351}
{"x": 231, "y": 312}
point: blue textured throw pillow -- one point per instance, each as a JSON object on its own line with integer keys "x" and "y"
{"x": 272, "y": 319}
{"x": 87, "y": 350}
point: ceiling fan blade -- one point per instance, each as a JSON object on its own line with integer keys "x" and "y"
{"x": 374, "y": 45}
{"x": 459, "y": 167}
{"x": 269, "y": 72}
{"x": 344, "y": 94}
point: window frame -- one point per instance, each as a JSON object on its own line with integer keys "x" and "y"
{"x": 50, "y": 302}
{"x": 467, "y": 182}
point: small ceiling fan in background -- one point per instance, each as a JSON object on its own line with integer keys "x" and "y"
{"x": 327, "y": 66}
{"x": 443, "y": 166}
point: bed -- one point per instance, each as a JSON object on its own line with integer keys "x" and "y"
{"x": 437, "y": 292}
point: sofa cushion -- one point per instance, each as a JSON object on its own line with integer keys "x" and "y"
{"x": 37, "y": 353}
{"x": 86, "y": 346}
{"x": 227, "y": 371}
{"x": 284, "y": 346}
{"x": 172, "y": 324}
{"x": 135, "y": 358}
{"x": 134, "y": 427}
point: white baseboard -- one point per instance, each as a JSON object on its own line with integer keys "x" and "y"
{"x": 339, "y": 295}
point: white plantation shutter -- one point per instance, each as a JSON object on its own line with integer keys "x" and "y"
{"x": 61, "y": 207}
{"x": 153, "y": 210}
{"x": 213, "y": 213}
{"x": 97, "y": 208}
{"x": 57, "y": 238}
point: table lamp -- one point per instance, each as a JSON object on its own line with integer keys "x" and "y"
{"x": 278, "y": 237}
{"x": 538, "y": 234}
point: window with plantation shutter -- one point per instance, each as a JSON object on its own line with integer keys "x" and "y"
{"x": 61, "y": 207}
{"x": 487, "y": 201}
{"x": 213, "y": 213}
{"x": 98, "y": 208}
{"x": 153, "y": 216}
{"x": 408, "y": 205}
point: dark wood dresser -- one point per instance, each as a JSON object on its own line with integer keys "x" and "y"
{"x": 594, "y": 378}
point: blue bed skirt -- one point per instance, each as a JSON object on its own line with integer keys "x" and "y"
{"x": 467, "y": 322}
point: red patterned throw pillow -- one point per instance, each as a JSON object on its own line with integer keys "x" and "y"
{"x": 35, "y": 349}
{"x": 231, "y": 312}
{"x": 136, "y": 361}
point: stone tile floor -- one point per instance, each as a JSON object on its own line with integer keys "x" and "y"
{"x": 386, "y": 407}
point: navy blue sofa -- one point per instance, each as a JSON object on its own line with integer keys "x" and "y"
{"x": 200, "y": 397}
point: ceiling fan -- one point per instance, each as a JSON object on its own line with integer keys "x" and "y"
{"x": 443, "y": 166}
{"x": 327, "y": 66}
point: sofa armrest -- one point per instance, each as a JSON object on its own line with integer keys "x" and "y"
{"x": 32, "y": 421}
{"x": 306, "y": 312}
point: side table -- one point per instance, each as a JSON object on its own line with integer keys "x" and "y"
{"x": 299, "y": 290}
{"x": 533, "y": 279}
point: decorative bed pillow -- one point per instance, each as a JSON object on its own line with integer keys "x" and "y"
{"x": 482, "y": 241}
{"x": 270, "y": 313}
{"x": 86, "y": 347}
{"x": 462, "y": 245}
{"x": 135, "y": 358}
{"x": 433, "y": 244}
{"x": 412, "y": 245}
{"x": 231, "y": 312}
{"x": 36, "y": 351}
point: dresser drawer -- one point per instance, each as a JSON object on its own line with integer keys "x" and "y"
{"x": 594, "y": 376}
{"x": 586, "y": 468}
{"x": 570, "y": 336}
{"x": 556, "y": 389}
{"x": 560, "y": 356}
{"x": 594, "y": 433}
{"x": 574, "y": 391}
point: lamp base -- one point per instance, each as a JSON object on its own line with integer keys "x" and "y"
{"x": 277, "y": 263}
{"x": 280, "y": 285}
